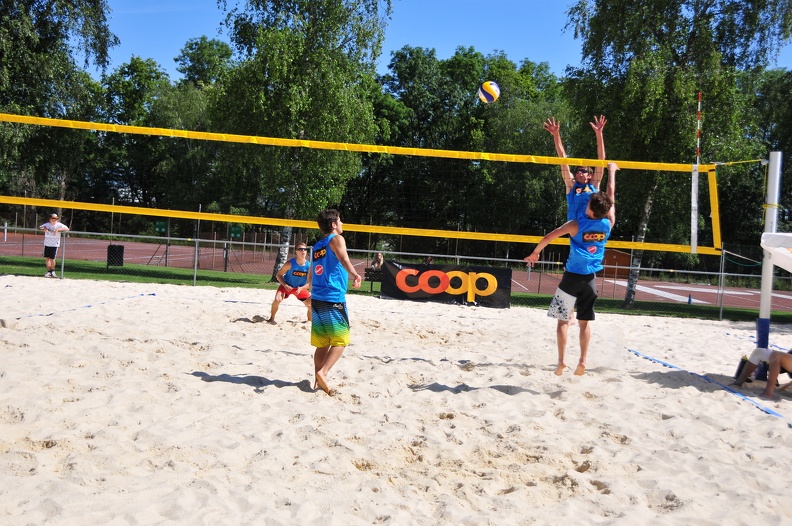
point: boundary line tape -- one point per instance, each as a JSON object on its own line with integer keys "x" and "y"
{"x": 761, "y": 407}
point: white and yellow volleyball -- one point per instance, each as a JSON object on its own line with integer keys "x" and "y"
{"x": 489, "y": 92}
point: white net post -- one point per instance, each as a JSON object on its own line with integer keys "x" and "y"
{"x": 694, "y": 185}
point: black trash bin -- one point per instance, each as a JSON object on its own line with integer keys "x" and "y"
{"x": 115, "y": 256}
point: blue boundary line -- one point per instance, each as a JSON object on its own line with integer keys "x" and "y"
{"x": 87, "y": 306}
{"x": 710, "y": 380}
{"x": 225, "y": 301}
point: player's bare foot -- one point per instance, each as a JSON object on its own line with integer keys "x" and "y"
{"x": 580, "y": 370}
{"x": 320, "y": 381}
{"x": 272, "y": 322}
{"x": 560, "y": 369}
{"x": 768, "y": 397}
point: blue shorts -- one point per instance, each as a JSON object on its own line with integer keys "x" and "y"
{"x": 329, "y": 324}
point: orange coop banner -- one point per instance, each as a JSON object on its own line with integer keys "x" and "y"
{"x": 455, "y": 284}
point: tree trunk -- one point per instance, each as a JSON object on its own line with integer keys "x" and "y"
{"x": 632, "y": 282}
{"x": 283, "y": 250}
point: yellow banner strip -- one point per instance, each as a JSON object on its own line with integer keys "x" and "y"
{"x": 324, "y": 145}
{"x": 351, "y": 227}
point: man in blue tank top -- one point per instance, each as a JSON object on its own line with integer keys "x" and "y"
{"x": 328, "y": 279}
{"x": 293, "y": 279}
{"x": 587, "y": 237}
{"x": 585, "y": 181}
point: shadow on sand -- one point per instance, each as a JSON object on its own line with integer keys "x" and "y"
{"x": 257, "y": 382}
{"x": 463, "y": 388}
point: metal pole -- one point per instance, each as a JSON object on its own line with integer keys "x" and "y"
{"x": 24, "y": 225}
{"x": 63, "y": 255}
{"x": 167, "y": 241}
{"x": 197, "y": 238}
{"x": 771, "y": 225}
{"x": 722, "y": 282}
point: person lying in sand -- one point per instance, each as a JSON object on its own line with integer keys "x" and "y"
{"x": 777, "y": 361}
{"x": 762, "y": 354}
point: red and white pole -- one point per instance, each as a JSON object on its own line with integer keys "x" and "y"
{"x": 698, "y": 131}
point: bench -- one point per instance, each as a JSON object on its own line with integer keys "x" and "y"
{"x": 371, "y": 275}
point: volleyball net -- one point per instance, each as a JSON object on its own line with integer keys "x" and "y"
{"x": 693, "y": 169}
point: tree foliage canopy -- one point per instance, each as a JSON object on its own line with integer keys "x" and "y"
{"x": 305, "y": 69}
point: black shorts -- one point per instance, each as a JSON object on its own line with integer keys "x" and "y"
{"x": 50, "y": 252}
{"x": 583, "y": 288}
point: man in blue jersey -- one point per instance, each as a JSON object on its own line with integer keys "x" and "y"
{"x": 587, "y": 237}
{"x": 328, "y": 280}
{"x": 585, "y": 180}
{"x": 293, "y": 279}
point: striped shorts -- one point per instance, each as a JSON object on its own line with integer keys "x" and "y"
{"x": 329, "y": 324}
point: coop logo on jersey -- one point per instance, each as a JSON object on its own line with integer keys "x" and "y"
{"x": 299, "y": 273}
{"x": 319, "y": 254}
{"x": 594, "y": 236}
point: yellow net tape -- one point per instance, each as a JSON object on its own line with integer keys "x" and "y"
{"x": 343, "y": 146}
{"x": 351, "y": 227}
{"x": 368, "y": 148}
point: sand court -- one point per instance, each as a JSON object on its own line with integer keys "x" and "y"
{"x": 124, "y": 403}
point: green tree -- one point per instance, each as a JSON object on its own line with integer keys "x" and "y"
{"x": 131, "y": 92}
{"x": 773, "y": 123}
{"x": 303, "y": 76}
{"x": 182, "y": 171}
{"x": 203, "y": 61}
{"x": 529, "y": 197}
{"x": 643, "y": 64}
{"x": 39, "y": 46}
{"x": 439, "y": 97}
{"x": 431, "y": 103}
{"x": 370, "y": 197}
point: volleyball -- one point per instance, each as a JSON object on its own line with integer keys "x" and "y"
{"x": 489, "y": 92}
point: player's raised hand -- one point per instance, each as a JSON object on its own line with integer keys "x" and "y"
{"x": 599, "y": 123}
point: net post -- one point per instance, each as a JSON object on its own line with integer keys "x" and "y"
{"x": 771, "y": 222}
{"x": 694, "y": 211}
{"x": 694, "y": 185}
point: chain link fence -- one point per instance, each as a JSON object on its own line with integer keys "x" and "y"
{"x": 249, "y": 259}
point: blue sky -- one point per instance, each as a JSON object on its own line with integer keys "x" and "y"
{"x": 523, "y": 29}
